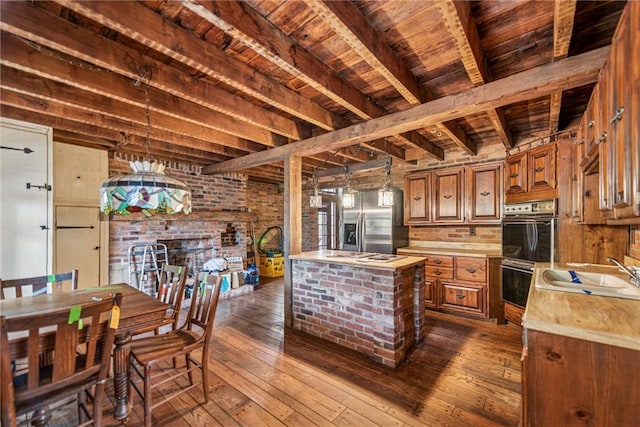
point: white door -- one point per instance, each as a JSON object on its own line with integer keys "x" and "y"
{"x": 78, "y": 243}
{"x": 25, "y": 200}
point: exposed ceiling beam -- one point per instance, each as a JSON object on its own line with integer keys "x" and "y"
{"x": 564, "y": 12}
{"x": 457, "y": 17}
{"x": 347, "y": 21}
{"x": 538, "y": 82}
{"x": 253, "y": 30}
{"x": 142, "y": 24}
{"x": 32, "y": 23}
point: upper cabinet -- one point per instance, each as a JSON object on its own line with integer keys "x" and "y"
{"x": 607, "y": 145}
{"x": 417, "y": 198}
{"x": 471, "y": 194}
{"x": 531, "y": 174}
{"x": 449, "y": 195}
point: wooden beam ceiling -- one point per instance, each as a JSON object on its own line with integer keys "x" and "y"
{"x": 539, "y": 82}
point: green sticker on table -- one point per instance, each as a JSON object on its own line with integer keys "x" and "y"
{"x": 74, "y": 314}
{"x": 51, "y": 278}
{"x": 80, "y": 324}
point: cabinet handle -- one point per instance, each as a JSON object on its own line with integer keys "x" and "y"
{"x": 574, "y": 178}
{"x": 538, "y": 170}
{"x": 471, "y": 270}
{"x": 459, "y": 296}
{"x": 602, "y": 138}
{"x": 437, "y": 272}
{"x": 618, "y": 115}
{"x": 417, "y": 198}
{"x": 447, "y": 196}
{"x": 587, "y": 194}
{"x": 514, "y": 175}
{"x": 485, "y": 193}
{"x": 590, "y": 124}
{"x": 437, "y": 261}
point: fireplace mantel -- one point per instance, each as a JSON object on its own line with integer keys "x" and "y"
{"x": 217, "y": 215}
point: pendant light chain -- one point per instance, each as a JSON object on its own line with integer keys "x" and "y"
{"x": 144, "y": 78}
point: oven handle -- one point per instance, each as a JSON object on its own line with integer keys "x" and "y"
{"x": 519, "y": 269}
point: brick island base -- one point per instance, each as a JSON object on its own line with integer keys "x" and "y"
{"x": 376, "y": 309}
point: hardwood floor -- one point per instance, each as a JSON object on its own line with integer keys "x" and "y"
{"x": 467, "y": 372}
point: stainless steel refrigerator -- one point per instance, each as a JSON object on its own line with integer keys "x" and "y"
{"x": 369, "y": 228}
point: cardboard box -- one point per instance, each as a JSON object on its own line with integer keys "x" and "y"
{"x": 272, "y": 266}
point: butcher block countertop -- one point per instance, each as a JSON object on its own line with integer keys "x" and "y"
{"x": 341, "y": 257}
{"x": 453, "y": 249}
{"x": 606, "y": 320}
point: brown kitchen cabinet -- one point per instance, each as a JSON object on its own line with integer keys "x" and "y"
{"x": 448, "y": 187}
{"x": 568, "y": 381}
{"x": 471, "y": 195}
{"x": 531, "y": 174}
{"x": 484, "y": 191}
{"x": 417, "y": 198}
{"x": 459, "y": 284}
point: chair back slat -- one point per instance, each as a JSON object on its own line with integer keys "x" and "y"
{"x": 30, "y": 286}
{"x": 79, "y": 354}
{"x": 204, "y": 303}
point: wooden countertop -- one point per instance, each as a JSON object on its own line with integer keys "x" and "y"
{"x": 453, "y": 248}
{"x": 330, "y": 256}
{"x": 607, "y": 320}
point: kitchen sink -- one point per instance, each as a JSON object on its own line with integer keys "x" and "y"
{"x": 590, "y": 283}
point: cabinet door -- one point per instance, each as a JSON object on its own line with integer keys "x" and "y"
{"x": 620, "y": 121}
{"x": 515, "y": 179}
{"x": 484, "y": 192}
{"x": 417, "y": 205}
{"x": 577, "y": 181}
{"x": 541, "y": 167}
{"x": 449, "y": 195}
{"x": 604, "y": 144}
{"x": 430, "y": 293}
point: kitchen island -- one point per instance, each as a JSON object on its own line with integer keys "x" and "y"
{"x": 370, "y": 303}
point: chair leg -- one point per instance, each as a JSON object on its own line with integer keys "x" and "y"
{"x": 205, "y": 376}
{"x": 187, "y": 362}
{"x": 147, "y": 396}
{"x": 98, "y": 396}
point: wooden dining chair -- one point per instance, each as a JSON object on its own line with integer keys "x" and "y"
{"x": 159, "y": 351}
{"x": 171, "y": 289}
{"x": 80, "y": 340}
{"x": 18, "y": 288}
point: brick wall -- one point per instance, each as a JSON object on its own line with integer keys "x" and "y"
{"x": 209, "y": 193}
{"x": 267, "y": 202}
{"x": 377, "y": 312}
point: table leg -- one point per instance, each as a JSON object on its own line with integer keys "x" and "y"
{"x": 121, "y": 376}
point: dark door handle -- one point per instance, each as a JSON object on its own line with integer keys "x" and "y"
{"x": 72, "y": 227}
{"x": 96, "y": 248}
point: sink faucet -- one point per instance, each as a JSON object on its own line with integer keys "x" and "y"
{"x": 633, "y": 272}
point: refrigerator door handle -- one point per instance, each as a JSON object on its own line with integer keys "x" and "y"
{"x": 363, "y": 233}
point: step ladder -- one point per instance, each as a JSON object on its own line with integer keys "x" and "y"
{"x": 145, "y": 263}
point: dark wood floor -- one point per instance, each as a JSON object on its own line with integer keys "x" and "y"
{"x": 467, "y": 372}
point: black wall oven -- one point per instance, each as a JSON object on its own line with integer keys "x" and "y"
{"x": 528, "y": 236}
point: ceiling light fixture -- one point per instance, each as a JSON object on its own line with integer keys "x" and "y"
{"x": 147, "y": 189}
{"x": 316, "y": 200}
{"x": 385, "y": 193}
{"x": 348, "y": 194}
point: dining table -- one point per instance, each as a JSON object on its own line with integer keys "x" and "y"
{"x": 138, "y": 311}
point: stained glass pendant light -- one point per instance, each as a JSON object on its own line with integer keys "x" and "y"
{"x": 147, "y": 189}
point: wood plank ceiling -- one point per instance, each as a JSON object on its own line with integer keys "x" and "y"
{"x": 239, "y": 85}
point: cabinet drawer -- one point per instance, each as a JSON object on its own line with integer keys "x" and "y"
{"x": 439, "y": 260}
{"x": 471, "y": 269}
{"x": 439, "y": 272}
{"x": 466, "y": 297}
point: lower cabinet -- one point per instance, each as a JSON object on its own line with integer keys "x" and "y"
{"x": 574, "y": 382}
{"x": 458, "y": 284}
